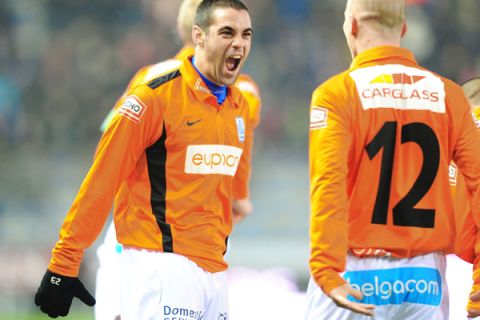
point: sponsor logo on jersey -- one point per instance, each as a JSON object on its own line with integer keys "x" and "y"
{"x": 399, "y": 87}
{"x": 418, "y": 285}
{"x": 212, "y": 159}
{"x": 452, "y": 173}
{"x": 397, "y": 78}
{"x": 132, "y": 108}
{"x": 240, "y": 128}
{"x": 191, "y": 123}
{"x": 178, "y": 313}
{"x": 198, "y": 86}
{"x": 318, "y": 117}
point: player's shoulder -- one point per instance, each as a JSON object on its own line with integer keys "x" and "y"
{"x": 452, "y": 89}
{"x": 163, "y": 79}
{"x": 454, "y": 96}
{"x": 246, "y": 84}
{"x": 237, "y": 95}
{"x": 151, "y": 72}
{"x": 160, "y": 69}
{"x": 147, "y": 91}
{"x": 450, "y": 85}
{"x": 334, "y": 86}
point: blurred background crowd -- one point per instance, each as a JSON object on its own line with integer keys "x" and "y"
{"x": 64, "y": 63}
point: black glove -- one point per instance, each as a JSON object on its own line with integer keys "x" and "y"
{"x": 56, "y": 292}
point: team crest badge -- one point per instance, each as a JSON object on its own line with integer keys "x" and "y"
{"x": 240, "y": 128}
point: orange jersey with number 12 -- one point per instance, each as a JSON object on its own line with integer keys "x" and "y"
{"x": 382, "y": 135}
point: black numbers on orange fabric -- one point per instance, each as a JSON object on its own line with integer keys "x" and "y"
{"x": 405, "y": 213}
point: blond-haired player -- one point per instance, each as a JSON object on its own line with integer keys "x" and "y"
{"x": 382, "y": 135}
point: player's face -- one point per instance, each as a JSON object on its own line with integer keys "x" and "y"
{"x": 227, "y": 44}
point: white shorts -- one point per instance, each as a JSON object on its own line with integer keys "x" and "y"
{"x": 107, "y": 288}
{"x": 400, "y": 289}
{"x": 459, "y": 281}
{"x": 167, "y": 286}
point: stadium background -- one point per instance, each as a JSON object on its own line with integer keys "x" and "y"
{"x": 63, "y": 64}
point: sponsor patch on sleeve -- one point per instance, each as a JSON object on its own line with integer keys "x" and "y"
{"x": 132, "y": 108}
{"x": 452, "y": 174}
{"x": 318, "y": 117}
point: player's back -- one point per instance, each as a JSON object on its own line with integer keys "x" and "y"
{"x": 405, "y": 124}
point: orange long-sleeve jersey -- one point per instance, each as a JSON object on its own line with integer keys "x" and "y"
{"x": 168, "y": 157}
{"x": 382, "y": 135}
{"x": 250, "y": 92}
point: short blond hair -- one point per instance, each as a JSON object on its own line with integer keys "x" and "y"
{"x": 472, "y": 91}
{"x": 384, "y": 15}
{"x": 185, "y": 18}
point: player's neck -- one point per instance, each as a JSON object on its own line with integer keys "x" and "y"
{"x": 371, "y": 41}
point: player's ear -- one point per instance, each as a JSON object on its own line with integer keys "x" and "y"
{"x": 354, "y": 27}
{"x": 404, "y": 29}
{"x": 198, "y": 36}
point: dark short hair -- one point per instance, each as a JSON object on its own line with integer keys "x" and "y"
{"x": 205, "y": 9}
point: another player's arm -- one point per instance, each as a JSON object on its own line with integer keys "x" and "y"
{"x": 470, "y": 139}
{"x": 330, "y": 140}
{"x": 465, "y": 155}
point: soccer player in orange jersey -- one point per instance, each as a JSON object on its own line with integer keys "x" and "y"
{"x": 382, "y": 135}
{"x": 168, "y": 157}
{"x": 107, "y": 291}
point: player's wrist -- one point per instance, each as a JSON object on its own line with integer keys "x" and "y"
{"x": 57, "y": 279}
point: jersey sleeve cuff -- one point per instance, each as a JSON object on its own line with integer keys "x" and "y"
{"x": 329, "y": 280}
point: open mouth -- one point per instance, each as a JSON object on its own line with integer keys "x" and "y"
{"x": 233, "y": 62}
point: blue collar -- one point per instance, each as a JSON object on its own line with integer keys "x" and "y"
{"x": 220, "y": 92}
